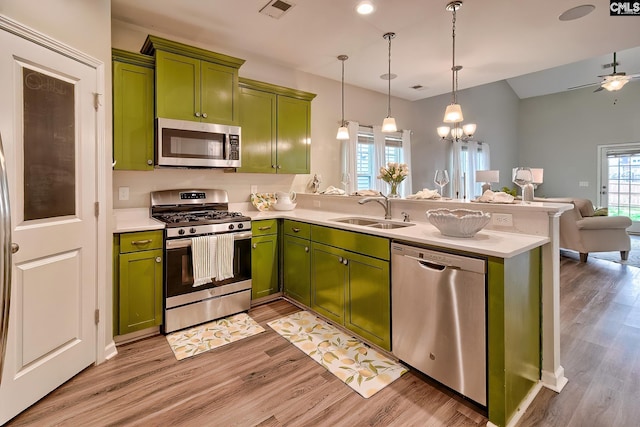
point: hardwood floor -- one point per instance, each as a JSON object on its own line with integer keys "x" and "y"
{"x": 265, "y": 381}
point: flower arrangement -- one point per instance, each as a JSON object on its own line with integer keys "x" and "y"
{"x": 393, "y": 175}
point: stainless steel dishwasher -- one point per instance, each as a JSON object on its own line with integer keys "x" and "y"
{"x": 438, "y": 317}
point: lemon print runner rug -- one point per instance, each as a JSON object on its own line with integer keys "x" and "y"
{"x": 362, "y": 368}
{"x": 189, "y": 342}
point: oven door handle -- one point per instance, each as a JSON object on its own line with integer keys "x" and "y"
{"x": 185, "y": 243}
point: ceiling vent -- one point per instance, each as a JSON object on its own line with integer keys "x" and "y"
{"x": 276, "y": 8}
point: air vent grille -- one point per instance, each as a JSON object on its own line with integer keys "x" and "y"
{"x": 276, "y": 8}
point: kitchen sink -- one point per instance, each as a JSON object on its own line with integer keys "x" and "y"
{"x": 368, "y": 222}
{"x": 390, "y": 225}
{"x": 356, "y": 221}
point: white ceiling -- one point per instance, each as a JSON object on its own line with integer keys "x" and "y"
{"x": 495, "y": 40}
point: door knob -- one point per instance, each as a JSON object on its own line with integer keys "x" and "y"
{"x": 15, "y": 248}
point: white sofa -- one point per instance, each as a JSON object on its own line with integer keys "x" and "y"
{"x": 583, "y": 232}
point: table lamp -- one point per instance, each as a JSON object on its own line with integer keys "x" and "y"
{"x": 487, "y": 176}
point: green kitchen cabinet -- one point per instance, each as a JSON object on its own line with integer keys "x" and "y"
{"x": 296, "y": 264}
{"x": 194, "y": 84}
{"x": 350, "y": 282}
{"x": 276, "y": 128}
{"x": 133, "y": 110}
{"x": 139, "y": 275}
{"x": 264, "y": 258}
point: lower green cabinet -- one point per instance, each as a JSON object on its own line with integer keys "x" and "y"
{"x": 139, "y": 281}
{"x": 352, "y": 289}
{"x": 328, "y": 280}
{"x": 296, "y": 275}
{"x": 296, "y": 261}
{"x": 264, "y": 258}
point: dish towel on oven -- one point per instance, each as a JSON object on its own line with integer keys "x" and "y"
{"x": 203, "y": 259}
{"x": 224, "y": 256}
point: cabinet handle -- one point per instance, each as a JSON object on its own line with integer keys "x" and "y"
{"x": 149, "y": 162}
{"x": 255, "y": 245}
{"x": 273, "y": 166}
{"x": 204, "y": 115}
{"x": 197, "y": 114}
{"x": 264, "y": 228}
{"x": 306, "y": 248}
{"x": 339, "y": 259}
{"x": 158, "y": 259}
{"x": 141, "y": 242}
{"x": 295, "y": 229}
{"x": 279, "y": 166}
{"x": 345, "y": 261}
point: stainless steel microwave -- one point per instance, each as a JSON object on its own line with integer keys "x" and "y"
{"x": 195, "y": 144}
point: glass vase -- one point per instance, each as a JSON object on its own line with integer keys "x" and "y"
{"x": 394, "y": 190}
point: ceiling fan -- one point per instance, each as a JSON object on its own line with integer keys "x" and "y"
{"x": 611, "y": 82}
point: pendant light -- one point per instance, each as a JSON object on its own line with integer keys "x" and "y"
{"x": 389, "y": 123}
{"x": 343, "y": 131}
{"x": 453, "y": 113}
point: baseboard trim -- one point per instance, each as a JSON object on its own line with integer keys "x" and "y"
{"x": 554, "y": 380}
{"x": 110, "y": 350}
{"x": 522, "y": 408}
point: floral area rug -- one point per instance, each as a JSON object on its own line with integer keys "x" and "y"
{"x": 189, "y": 342}
{"x": 362, "y": 368}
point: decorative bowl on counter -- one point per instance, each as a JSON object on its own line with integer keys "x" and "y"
{"x": 458, "y": 222}
{"x": 263, "y": 201}
{"x": 283, "y": 206}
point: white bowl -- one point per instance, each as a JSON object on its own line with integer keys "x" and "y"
{"x": 283, "y": 206}
{"x": 458, "y": 222}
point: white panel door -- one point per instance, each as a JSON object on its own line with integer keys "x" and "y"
{"x": 48, "y": 127}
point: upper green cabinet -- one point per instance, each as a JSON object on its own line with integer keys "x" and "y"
{"x": 133, "y": 114}
{"x": 194, "y": 84}
{"x": 276, "y": 128}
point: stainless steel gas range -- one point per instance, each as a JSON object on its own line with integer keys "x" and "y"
{"x": 188, "y": 215}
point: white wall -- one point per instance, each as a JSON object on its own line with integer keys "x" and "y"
{"x": 561, "y": 133}
{"x": 366, "y": 107}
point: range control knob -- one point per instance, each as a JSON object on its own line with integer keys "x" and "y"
{"x": 240, "y": 225}
{"x": 192, "y": 230}
{"x": 231, "y": 227}
{"x": 181, "y": 231}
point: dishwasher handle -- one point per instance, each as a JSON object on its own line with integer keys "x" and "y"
{"x": 432, "y": 265}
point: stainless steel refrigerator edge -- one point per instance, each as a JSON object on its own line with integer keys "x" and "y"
{"x": 5, "y": 258}
{"x": 438, "y": 309}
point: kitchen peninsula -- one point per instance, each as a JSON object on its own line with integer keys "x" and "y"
{"x": 523, "y": 251}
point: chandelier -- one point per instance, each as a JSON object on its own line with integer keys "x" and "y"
{"x": 453, "y": 113}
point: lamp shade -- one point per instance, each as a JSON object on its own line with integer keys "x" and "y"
{"x": 453, "y": 114}
{"x": 443, "y": 131}
{"x": 343, "y": 133}
{"x": 538, "y": 174}
{"x": 614, "y": 83}
{"x": 469, "y": 129}
{"x": 488, "y": 176}
{"x": 456, "y": 133}
{"x": 389, "y": 125}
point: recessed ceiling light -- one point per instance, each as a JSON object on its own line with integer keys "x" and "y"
{"x": 577, "y": 12}
{"x": 365, "y": 7}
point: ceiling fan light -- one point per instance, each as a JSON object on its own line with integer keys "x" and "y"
{"x": 389, "y": 125}
{"x": 453, "y": 114}
{"x": 615, "y": 83}
{"x": 469, "y": 129}
{"x": 343, "y": 133}
{"x": 443, "y": 131}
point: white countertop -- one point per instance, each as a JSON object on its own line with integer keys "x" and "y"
{"x": 134, "y": 219}
{"x": 485, "y": 242}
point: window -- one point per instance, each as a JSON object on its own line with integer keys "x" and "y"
{"x": 470, "y": 157}
{"x": 366, "y": 151}
{"x": 366, "y": 170}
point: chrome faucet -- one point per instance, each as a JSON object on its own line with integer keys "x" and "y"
{"x": 383, "y": 200}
